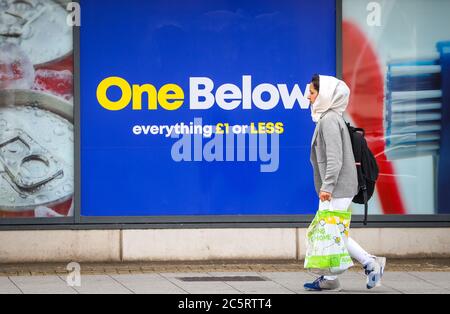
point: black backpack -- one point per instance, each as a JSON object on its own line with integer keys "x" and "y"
{"x": 366, "y": 166}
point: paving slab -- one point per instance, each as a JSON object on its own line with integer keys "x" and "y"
{"x": 407, "y": 283}
{"x": 148, "y": 284}
{"x": 101, "y": 284}
{"x": 355, "y": 283}
{"x": 439, "y": 279}
{"x": 8, "y": 287}
{"x": 266, "y": 285}
{"x": 42, "y": 285}
{"x": 199, "y": 287}
{"x": 292, "y": 281}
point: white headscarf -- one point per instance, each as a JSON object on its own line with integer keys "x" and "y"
{"x": 333, "y": 94}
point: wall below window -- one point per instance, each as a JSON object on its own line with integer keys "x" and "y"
{"x": 205, "y": 244}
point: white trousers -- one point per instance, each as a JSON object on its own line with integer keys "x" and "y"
{"x": 354, "y": 249}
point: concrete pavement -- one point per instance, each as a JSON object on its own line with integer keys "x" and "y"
{"x": 174, "y": 283}
{"x": 278, "y": 278}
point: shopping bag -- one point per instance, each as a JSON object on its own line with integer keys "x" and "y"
{"x": 326, "y": 239}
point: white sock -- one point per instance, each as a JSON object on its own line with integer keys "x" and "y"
{"x": 330, "y": 277}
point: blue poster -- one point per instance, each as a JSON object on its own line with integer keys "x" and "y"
{"x": 198, "y": 107}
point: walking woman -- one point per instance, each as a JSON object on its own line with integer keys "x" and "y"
{"x": 335, "y": 175}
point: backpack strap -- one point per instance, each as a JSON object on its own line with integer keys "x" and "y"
{"x": 360, "y": 130}
{"x": 366, "y": 207}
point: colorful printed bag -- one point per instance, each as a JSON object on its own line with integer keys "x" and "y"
{"x": 326, "y": 239}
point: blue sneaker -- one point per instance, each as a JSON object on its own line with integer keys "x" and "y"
{"x": 374, "y": 272}
{"x": 322, "y": 284}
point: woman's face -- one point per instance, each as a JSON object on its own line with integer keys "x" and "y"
{"x": 313, "y": 93}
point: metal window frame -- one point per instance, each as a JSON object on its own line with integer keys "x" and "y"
{"x": 78, "y": 222}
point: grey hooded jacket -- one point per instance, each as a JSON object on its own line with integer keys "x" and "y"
{"x": 332, "y": 157}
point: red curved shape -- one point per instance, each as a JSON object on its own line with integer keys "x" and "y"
{"x": 62, "y": 209}
{"x": 56, "y": 77}
{"x": 362, "y": 72}
{"x": 65, "y": 63}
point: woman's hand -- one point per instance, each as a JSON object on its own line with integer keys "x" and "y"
{"x": 324, "y": 196}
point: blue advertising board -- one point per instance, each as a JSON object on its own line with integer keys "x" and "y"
{"x": 198, "y": 107}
